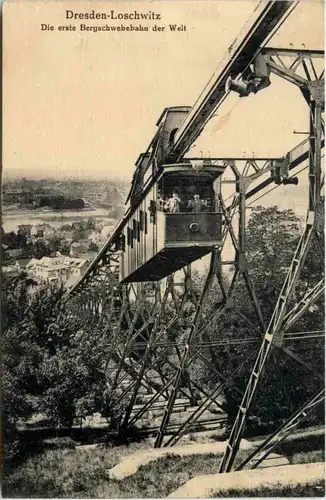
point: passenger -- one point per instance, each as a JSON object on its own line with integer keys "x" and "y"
{"x": 173, "y": 204}
{"x": 196, "y": 205}
{"x": 160, "y": 201}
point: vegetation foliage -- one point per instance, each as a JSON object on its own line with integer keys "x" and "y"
{"x": 84, "y": 473}
{"x": 271, "y": 238}
{"x": 53, "y": 362}
{"x": 50, "y": 363}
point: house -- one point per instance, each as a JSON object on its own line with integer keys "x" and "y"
{"x": 16, "y": 196}
{"x": 86, "y": 203}
{"x": 31, "y": 264}
{"x": 49, "y": 269}
{"x": 23, "y": 263}
{"x": 78, "y": 267}
{"x": 48, "y": 231}
{"x": 13, "y": 254}
{"x": 11, "y": 271}
{"x": 20, "y": 265}
{"x": 38, "y": 230}
{"x": 25, "y": 229}
{"x": 57, "y": 269}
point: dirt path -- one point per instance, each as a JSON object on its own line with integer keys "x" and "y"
{"x": 132, "y": 463}
{"x": 287, "y": 475}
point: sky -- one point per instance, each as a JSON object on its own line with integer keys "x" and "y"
{"x": 84, "y": 104}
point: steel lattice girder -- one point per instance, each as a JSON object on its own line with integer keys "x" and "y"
{"x": 280, "y": 316}
{"x": 274, "y": 331}
{"x": 258, "y": 455}
{"x": 136, "y": 374}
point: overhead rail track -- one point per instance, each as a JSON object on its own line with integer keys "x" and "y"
{"x": 298, "y": 155}
{"x": 151, "y": 355}
{"x": 266, "y": 19}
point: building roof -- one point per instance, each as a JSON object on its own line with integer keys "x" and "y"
{"x": 58, "y": 262}
{"x": 84, "y": 200}
{"x": 23, "y": 262}
{"x": 57, "y": 267}
{"x": 78, "y": 262}
{"x": 14, "y": 252}
{"x": 46, "y": 261}
{"x": 10, "y": 269}
{"x": 32, "y": 262}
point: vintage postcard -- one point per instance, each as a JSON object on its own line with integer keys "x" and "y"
{"x": 162, "y": 248}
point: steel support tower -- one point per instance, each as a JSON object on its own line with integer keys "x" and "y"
{"x": 145, "y": 352}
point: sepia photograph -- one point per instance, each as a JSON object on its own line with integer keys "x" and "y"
{"x": 162, "y": 249}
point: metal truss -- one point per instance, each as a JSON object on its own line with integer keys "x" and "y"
{"x": 300, "y": 307}
{"x": 275, "y": 330}
{"x": 145, "y": 316}
{"x": 262, "y": 451}
{"x": 157, "y": 331}
{"x": 298, "y": 67}
{"x": 267, "y": 18}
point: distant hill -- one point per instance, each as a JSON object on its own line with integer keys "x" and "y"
{"x": 20, "y": 173}
{"x": 106, "y": 193}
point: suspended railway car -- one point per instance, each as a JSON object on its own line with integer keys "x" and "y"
{"x": 174, "y": 220}
{"x": 163, "y": 235}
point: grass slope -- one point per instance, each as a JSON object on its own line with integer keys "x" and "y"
{"x": 82, "y": 473}
{"x": 316, "y": 490}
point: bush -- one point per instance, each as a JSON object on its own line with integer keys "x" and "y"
{"x": 47, "y": 354}
{"x": 271, "y": 238}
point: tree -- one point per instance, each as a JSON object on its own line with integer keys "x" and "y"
{"x": 90, "y": 225}
{"x": 58, "y": 243}
{"x": 74, "y": 383}
{"x": 38, "y": 249}
{"x": 48, "y": 354}
{"x": 66, "y": 227}
{"x": 79, "y": 234}
{"x": 93, "y": 247}
{"x": 10, "y": 239}
{"x": 14, "y": 301}
{"x": 20, "y": 360}
{"x": 21, "y": 240}
{"x": 271, "y": 238}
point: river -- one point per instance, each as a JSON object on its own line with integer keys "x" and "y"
{"x": 11, "y": 220}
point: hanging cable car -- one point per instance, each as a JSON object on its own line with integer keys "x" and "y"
{"x": 174, "y": 218}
